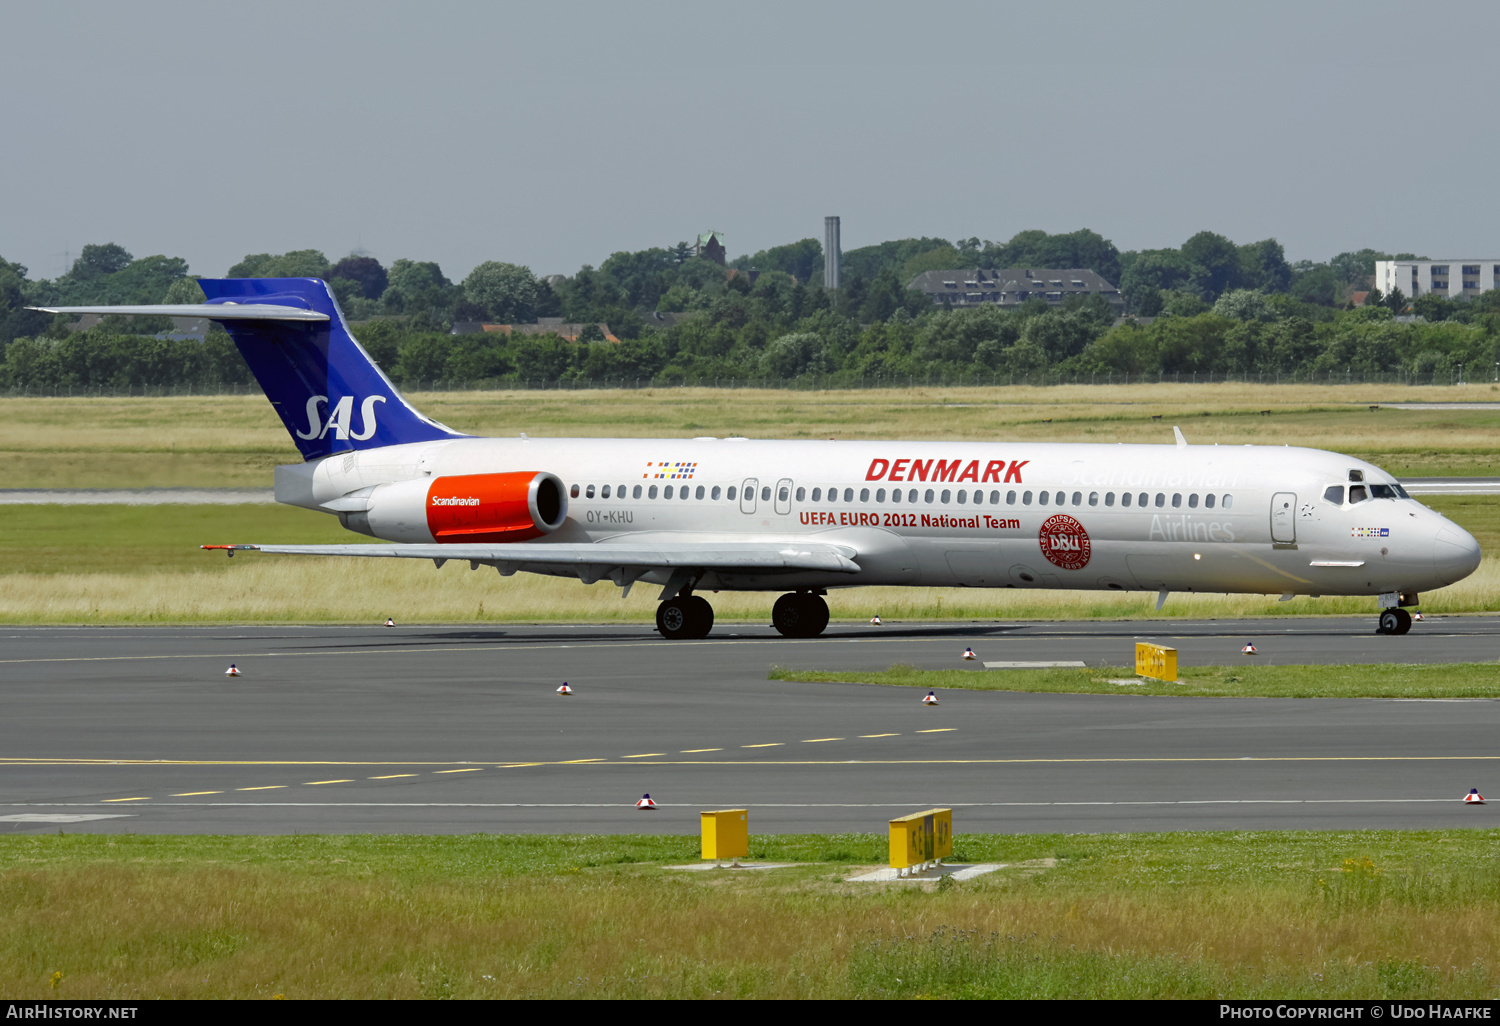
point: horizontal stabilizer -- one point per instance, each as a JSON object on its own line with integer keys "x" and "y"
{"x": 216, "y": 311}
{"x": 729, "y": 556}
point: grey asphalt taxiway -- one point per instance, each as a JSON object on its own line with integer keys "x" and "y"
{"x": 415, "y": 729}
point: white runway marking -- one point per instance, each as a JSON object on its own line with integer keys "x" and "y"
{"x": 62, "y": 817}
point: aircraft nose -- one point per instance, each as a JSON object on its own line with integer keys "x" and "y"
{"x": 1455, "y": 551}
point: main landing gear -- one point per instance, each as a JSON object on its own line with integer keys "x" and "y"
{"x": 686, "y": 617}
{"x": 800, "y": 615}
{"x": 1394, "y": 621}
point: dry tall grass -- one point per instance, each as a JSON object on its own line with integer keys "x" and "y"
{"x": 232, "y": 440}
{"x": 297, "y": 589}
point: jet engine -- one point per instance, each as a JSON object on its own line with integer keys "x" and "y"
{"x": 507, "y": 507}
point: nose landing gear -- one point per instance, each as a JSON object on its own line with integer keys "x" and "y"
{"x": 1394, "y": 621}
{"x": 799, "y": 615}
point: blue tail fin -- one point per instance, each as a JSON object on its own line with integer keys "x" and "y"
{"x": 328, "y": 392}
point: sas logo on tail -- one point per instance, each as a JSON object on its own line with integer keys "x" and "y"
{"x": 339, "y": 416}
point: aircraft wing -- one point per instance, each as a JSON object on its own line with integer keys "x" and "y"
{"x": 594, "y": 562}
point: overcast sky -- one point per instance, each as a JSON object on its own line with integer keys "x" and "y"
{"x": 552, "y": 135}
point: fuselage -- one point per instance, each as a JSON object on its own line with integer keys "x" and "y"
{"x": 1257, "y": 519}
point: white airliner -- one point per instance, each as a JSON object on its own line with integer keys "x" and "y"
{"x": 697, "y": 515}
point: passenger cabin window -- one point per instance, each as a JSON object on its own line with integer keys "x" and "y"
{"x": 588, "y": 492}
{"x": 667, "y": 492}
{"x": 573, "y": 492}
{"x": 765, "y": 493}
{"x": 729, "y": 493}
{"x": 864, "y": 495}
{"x": 1208, "y": 500}
{"x": 635, "y": 493}
{"x": 604, "y": 492}
{"x": 1125, "y": 499}
{"x": 801, "y": 494}
{"x": 1357, "y": 494}
{"x": 716, "y": 492}
{"x": 1109, "y": 498}
{"x": 1193, "y": 501}
{"x": 848, "y": 495}
{"x": 1334, "y": 494}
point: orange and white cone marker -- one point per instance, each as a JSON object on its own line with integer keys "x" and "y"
{"x": 931, "y": 699}
{"x": 1473, "y": 797}
{"x": 645, "y": 802}
{"x": 1249, "y": 649}
{"x": 233, "y": 671}
{"x": 565, "y": 690}
{"x": 875, "y": 620}
{"x": 969, "y": 654}
{"x": 389, "y": 622}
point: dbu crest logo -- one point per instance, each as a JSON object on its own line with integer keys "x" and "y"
{"x": 339, "y": 416}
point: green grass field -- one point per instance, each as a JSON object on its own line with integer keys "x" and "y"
{"x": 1387, "y": 680}
{"x": 1187, "y": 915}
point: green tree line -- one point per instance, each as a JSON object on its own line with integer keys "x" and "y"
{"x": 1215, "y": 307}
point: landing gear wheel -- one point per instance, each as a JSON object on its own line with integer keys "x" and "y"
{"x": 799, "y": 615}
{"x": 685, "y": 617}
{"x": 1394, "y": 621}
{"x": 701, "y": 614}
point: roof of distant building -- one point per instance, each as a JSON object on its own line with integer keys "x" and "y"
{"x": 1013, "y": 284}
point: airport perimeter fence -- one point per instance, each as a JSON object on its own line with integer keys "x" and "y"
{"x": 804, "y": 383}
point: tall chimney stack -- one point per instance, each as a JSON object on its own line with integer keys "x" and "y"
{"x": 831, "y": 252}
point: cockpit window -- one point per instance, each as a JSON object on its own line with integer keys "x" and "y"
{"x": 1380, "y": 491}
{"x": 1401, "y": 491}
{"x": 1357, "y": 494}
{"x": 1334, "y": 494}
{"x": 1356, "y": 475}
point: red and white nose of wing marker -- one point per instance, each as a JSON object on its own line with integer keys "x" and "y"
{"x": 233, "y": 671}
{"x": 1249, "y": 649}
{"x": 1417, "y": 615}
{"x": 565, "y": 690}
{"x": 1473, "y": 797}
{"x": 645, "y": 802}
{"x": 875, "y": 620}
{"x": 389, "y": 622}
{"x": 931, "y": 699}
{"x": 969, "y": 654}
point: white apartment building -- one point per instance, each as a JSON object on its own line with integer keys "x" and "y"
{"x": 1448, "y": 278}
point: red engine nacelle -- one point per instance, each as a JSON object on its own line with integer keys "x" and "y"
{"x": 495, "y": 507}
